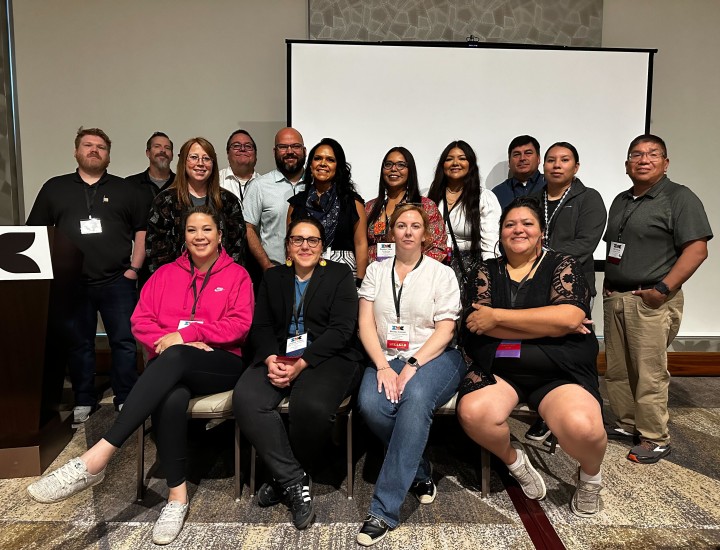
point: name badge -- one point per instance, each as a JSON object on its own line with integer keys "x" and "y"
{"x": 509, "y": 348}
{"x": 296, "y": 345}
{"x": 385, "y": 251}
{"x": 398, "y": 337}
{"x": 615, "y": 253}
{"x": 90, "y": 226}
{"x": 183, "y": 323}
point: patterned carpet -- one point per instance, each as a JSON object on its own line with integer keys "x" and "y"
{"x": 674, "y": 504}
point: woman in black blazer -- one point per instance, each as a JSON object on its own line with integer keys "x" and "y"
{"x": 302, "y": 338}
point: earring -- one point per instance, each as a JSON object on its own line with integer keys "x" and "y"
{"x": 323, "y": 263}
{"x": 288, "y": 262}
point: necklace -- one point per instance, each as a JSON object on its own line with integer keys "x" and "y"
{"x": 545, "y": 204}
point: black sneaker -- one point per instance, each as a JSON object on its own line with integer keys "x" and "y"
{"x": 647, "y": 452}
{"x": 539, "y": 431}
{"x": 300, "y": 503}
{"x": 620, "y": 434}
{"x": 424, "y": 491}
{"x": 270, "y": 494}
{"x": 373, "y": 530}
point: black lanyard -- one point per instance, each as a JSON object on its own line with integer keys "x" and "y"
{"x": 298, "y": 308}
{"x": 397, "y": 295}
{"x": 196, "y": 294}
{"x": 90, "y": 197}
{"x": 629, "y": 211}
{"x": 513, "y": 295}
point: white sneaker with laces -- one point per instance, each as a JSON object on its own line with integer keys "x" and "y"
{"x": 81, "y": 413}
{"x": 170, "y": 523}
{"x": 64, "y": 482}
{"x": 529, "y": 479}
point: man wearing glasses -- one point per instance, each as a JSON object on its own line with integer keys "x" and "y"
{"x": 242, "y": 157}
{"x": 265, "y": 205}
{"x": 656, "y": 238}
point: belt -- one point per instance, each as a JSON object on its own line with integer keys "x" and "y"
{"x": 628, "y": 288}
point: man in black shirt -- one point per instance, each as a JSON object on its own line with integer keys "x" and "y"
{"x": 158, "y": 176}
{"x": 102, "y": 215}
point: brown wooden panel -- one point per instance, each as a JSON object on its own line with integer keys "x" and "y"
{"x": 683, "y": 363}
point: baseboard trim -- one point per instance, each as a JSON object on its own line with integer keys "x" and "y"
{"x": 683, "y": 363}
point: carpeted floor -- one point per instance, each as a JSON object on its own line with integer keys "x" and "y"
{"x": 674, "y": 504}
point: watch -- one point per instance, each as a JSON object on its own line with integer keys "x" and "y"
{"x": 135, "y": 269}
{"x": 413, "y": 362}
{"x": 662, "y": 288}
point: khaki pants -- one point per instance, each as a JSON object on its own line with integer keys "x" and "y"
{"x": 636, "y": 341}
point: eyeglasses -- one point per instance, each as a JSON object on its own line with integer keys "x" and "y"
{"x": 242, "y": 146}
{"x": 297, "y": 241}
{"x": 652, "y": 156}
{"x": 283, "y": 147}
{"x": 388, "y": 165}
{"x": 197, "y": 158}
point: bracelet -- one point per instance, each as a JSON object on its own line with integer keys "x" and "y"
{"x": 382, "y": 368}
{"x": 135, "y": 269}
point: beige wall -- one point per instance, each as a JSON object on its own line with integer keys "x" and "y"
{"x": 686, "y": 113}
{"x": 137, "y": 66}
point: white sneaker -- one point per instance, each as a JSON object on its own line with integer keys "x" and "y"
{"x": 170, "y": 522}
{"x": 529, "y": 479}
{"x": 586, "y": 501}
{"x": 64, "y": 482}
{"x": 81, "y": 413}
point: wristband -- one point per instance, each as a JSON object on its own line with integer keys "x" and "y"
{"x": 135, "y": 269}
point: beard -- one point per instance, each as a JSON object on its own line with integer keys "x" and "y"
{"x": 92, "y": 164}
{"x": 161, "y": 163}
{"x": 290, "y": 169}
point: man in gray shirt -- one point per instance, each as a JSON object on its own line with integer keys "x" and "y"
{"x": 265, "y": 205}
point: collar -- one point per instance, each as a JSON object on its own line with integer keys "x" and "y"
{"x": 531, "y": 181}
{"x": 280, "y": 177}
{"x": 78, "y": 178}
{"x": 653, "y": 192}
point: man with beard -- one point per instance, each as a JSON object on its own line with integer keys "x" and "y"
{"x": 158, "y": 176}
{"x": 525, "y": 178}
{"x": 102, "y": 215}
{"x": 242, "y": 157}
{"x": 265, "y": 206}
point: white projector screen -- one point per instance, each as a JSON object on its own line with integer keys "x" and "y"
{"x": 371, "y": 97}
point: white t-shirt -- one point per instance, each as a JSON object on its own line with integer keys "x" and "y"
{"x": 489, "y": 225}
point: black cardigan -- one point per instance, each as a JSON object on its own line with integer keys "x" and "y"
{"x": 330, "y": 314}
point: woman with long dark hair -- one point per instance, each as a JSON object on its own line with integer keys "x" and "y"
{"x": 399, "y": 185}
{"x": 197, "y": 184}
{"x": 330, "y": 198}
{"x": 470, "y": 211}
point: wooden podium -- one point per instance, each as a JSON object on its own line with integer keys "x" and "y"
{"x": 35, "y": 328}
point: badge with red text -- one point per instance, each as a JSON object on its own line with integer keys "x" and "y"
{"x": 615, "y": 253}
{"x": 508, "y": 348}
{"x": 398, "y": 337}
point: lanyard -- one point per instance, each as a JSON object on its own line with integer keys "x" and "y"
{"x": 298, "y": 308}
{"x": 559, "y": 204}
{"x": 629, "y": 211}
{"x": 513, "y": 295}
{"x": 380, "y": 228}
{"x": 196, "y": 294}
{"x": 90, "y": 197}
{"x": 397, "y": 295}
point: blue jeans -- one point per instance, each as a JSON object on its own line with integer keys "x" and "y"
{"x": 404, "y": 427}
{"x": 115, "y": 301}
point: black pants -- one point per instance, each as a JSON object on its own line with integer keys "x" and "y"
{"x": 315, "y": 396}
{"x": 164, "y": 391}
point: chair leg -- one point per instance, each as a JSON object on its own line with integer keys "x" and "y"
{"x": 553, "y": 444}
{"x": 252, "y": 471}
{"x": 349, "y": 457}
{"x": 140, "y": 489}
{"x": 485, "y": 472}
{"x": 238, "y": 476}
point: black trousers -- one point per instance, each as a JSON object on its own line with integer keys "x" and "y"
{"x": 315, "y": 396}
{"x": 164, "y": 391}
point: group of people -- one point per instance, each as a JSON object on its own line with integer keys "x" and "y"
{"x": 403, "y": 301}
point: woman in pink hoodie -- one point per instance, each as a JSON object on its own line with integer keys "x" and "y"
{"x": 193, "y": 316}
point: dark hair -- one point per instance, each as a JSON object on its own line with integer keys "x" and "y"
{"x": 82, "y": 132}
{"x": 344, "y": 185}
{"x": 567, "y": 146}
{"x": 524, "y": 202}
{"x": 236, "y": 132}
{"x": 309, "y": 220}
{"x": 427, "y": 231}
{"x": 158, "y": 134}
{"x": 180, "y": 184}
{"x": 648, "y": 138}
{"x": 524, "y": 140}
{"x": 203, "y": 209}
{"x": 412, "y": 186}
{"x": 470, "y": 198}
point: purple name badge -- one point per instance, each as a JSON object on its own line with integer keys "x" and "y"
{"x": 508, "y": 348}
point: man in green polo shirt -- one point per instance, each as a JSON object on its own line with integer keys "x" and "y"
{"x": 656, "y": 238}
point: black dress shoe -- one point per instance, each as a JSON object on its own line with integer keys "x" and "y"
{"x": 539, "y": 431}
{"x": 424, "y": 491}
{"x": 300, "y": 503}
{"x": 373, "y": 530}
{"x": 270, "y": 494}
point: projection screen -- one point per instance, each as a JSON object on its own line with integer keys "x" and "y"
{"x": 374, "y": 96}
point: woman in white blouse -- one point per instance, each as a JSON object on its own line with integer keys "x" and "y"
{"x": 408, "y": 309}
{"x": 471, "y": 212}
